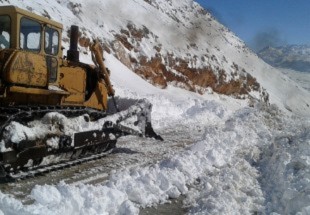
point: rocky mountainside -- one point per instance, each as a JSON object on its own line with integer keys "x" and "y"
{"x": 170, "y": 42}
{"x": 165, "y": 42}
{"x": 170, "y": 45}
{"x": 296, "y": 57}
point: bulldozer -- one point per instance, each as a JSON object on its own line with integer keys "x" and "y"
{"x": 36, "y": 79}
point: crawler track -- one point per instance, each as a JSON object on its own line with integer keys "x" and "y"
{"x": 39, "y": 170}
{"x": 25, "y": 114}
{"x": 28, "y": 157}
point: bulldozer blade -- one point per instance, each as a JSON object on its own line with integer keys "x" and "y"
{"x": 94, "y": 137}
{"x": 149, "y": 132}
{"x": 134, "y": 117}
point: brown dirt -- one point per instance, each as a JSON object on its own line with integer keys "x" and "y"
{"x": 162, "y": 69}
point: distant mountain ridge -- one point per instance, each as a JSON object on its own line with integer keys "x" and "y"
{"x": 296, "y": 57}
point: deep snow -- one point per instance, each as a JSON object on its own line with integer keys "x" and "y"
{"x": 249, "y": 160}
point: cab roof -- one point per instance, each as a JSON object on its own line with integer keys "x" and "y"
{"x": 10, "y": 10}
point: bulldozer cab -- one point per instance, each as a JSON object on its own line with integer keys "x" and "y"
{"x": 23, "y": 30}
{"x": 35, "y": 36}
{"x": 33, "y": 71}
{"x": 30, "y": 58}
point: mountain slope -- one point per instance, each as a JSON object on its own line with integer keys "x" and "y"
{"x": 174, "y": 43}
{"x": 302, "y": 78}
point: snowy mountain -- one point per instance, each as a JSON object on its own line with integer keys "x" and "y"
{"x": 295, "y": 57}
{"x": 174, "y": 43}
{"x": 222, "y": 155}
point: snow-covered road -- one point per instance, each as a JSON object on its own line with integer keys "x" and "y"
{"x": 221, "y": 155}
{"x": 240, "y": 160}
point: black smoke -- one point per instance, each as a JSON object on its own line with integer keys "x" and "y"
{"x": 269, "y": 37}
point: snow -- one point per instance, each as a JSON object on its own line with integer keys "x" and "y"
{"x": 65, "y": 199}
{"x": 302, "y": 78}
{"x": 249, "y": 160}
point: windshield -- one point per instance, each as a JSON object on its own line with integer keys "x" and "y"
{"x": 30, "y": 35}
{"x": 5, "y": 31}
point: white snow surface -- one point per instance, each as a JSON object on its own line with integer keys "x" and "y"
{"x": 250, "y": 159}
{"x": 302, "y": 78}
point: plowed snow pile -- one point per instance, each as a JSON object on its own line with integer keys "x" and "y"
{"x": 249, "y": 160}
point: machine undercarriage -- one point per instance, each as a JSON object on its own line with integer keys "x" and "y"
{"x": 61, "y": 146}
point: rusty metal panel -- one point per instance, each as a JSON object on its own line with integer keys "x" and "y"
{"x": 72, "y": 80}
{"x": 27, "y": 69}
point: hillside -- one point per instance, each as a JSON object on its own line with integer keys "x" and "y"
{"x": 174, "y": 43}
{"x": 302, "y": 78}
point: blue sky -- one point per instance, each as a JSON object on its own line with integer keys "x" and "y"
{"x": 264, "y": 22}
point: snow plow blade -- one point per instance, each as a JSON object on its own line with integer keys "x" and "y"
{"x": 134, "y": 117}
{"x": 29, "y": 155}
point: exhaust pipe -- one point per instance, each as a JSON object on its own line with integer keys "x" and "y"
{"x": 73, "y": 53}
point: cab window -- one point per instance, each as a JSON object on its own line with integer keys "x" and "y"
{"x": 5, "y": 31}
{"x": 52, "y": 65}
{"x": 30, "y": 35}
{"x": 51, "y": 41}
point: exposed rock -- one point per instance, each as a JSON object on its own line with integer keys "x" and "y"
{"x": 84, "y": 42}
{"x": 121, "y": 53}
{"x": 163, "y": 69}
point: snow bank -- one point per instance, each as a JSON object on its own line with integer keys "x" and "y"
{"x": 66, "y": 199}
{"x": 132, "y": 187}
{"x": 242, "y": 165}
{"x": 285, "y": 168}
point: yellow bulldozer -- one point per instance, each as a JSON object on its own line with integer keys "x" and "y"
{"x": 36, "y": 79}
